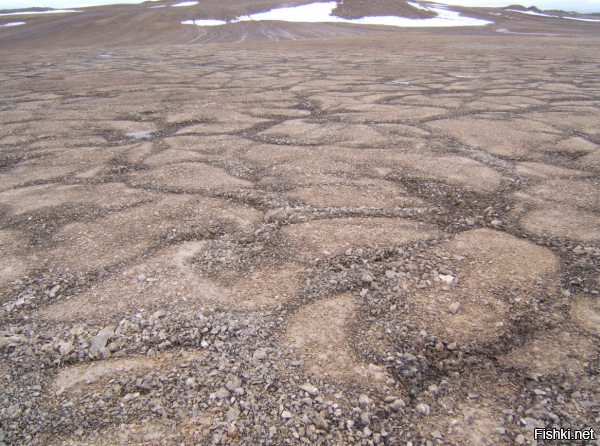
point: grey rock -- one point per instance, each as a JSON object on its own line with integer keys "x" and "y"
{"x": 192, "y": 383}
{"x": 310, "y": 389}
{"x": 233, "y": 383}
{"x": 364, "y": 400}
{"x": 423, "y": 409}
{"x": 436, "y": 434}
{"x": 397, "y": 404}
{"x": 158, "y": 314}
{"x": 321, "y": 422}
{"x": 259, "y": 354}
{"x": 64, "y": 348}
{"x": 223, "y": 393}
{"x": 454, "y": 307}
{"x": 14, "y": 411}
{"x": 233, "y": 414}
{"x": 99, "y": 341}
{"x": 365, "y": 418}
{"x": 275, "y": 215}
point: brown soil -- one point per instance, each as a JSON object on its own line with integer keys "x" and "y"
{"x": 355, "y": 9}
{"x": 436, "y": 231}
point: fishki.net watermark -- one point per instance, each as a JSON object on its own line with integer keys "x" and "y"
{"x": 564, "y": 434}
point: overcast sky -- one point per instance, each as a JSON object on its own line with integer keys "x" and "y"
{"x": 584, "y": 6}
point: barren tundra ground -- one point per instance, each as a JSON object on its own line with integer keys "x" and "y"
{"x": 390, "y": 238}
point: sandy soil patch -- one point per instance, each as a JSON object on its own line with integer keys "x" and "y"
{"x": 32, "y": 198}
{"x": 545, "y": 171}
{"x": 454, "y": 169}
{"x": 518, "y": 137}
{"x": 170, "y": 277}
{"x": 58, "y": 164}
{"x": 582, "y": 193}
{"x": 583, "y": 119}
{"x": 190, "y": 176}
{"x": 223, "y": 145}
{"x": 336, "y": 236}
{"x": 303, "y": 132}
{"x": 171, "y": 156}
{"x": 367, "y": 113}
{"x": 563, "y": 221}
{"x": 585, "y": 312}
{"x": 123, "y": 235}
{"x": 591, "y": 160}
{"x": 377, "y": 194}
{"x": 137, "y": 153}
{"x": 474, "y": 310}
{"x": 13, "y": 260}
{"x": 222, "y": 122}
{"x": 504, "y": 103}
{"x": 576, "y": 146}
{"x": 554, "y": 352}
{"x": 319, "y": 333}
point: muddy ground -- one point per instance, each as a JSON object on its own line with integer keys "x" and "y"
{"x": 391, "y": 238}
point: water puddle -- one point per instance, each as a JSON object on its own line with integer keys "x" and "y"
{"x": 13, "y": 24}
{"x": 321, "y": 13}
{"x": 157, "y": 6}
{"x": 140, "y": 134}
{"x": 52, "y": 11}
{"x": 399, "y": 81}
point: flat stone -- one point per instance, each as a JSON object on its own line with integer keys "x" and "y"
{"x": 364, "y": 400}
{"x": 310, "y": 389}
{"x": 446, "y": 278}
{"x": 65, "y": 348}
{"x": 222, "y": 393}
{"x": 397, "y": 404}
{"x": 275, "y": 215}
{"x": 454, "y": 307}
{"x": 99, "y": 341}
{"x": 423, "y": 409}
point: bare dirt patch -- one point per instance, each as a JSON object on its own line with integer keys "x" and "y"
{"x": 378, "y": 194}
{"x": 354, "y": 9}
{"x": 189, "y": 176}
{"x": 319, "y": 333}
{"x": 554, "y": 352}
{"x": 171, "y": 156}
{"x": 473, "y": 309}
{"x": 585, "y": 312}
{"x": 582, "y": 193}
{"x": 518, "y": 137}
{"x": 563, "y": 221}
{"x": 123, "y": 235}
{"x": 32, "y": 198}
{"x": 336, "y": 236}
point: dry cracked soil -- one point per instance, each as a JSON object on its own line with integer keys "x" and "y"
{"x": 364, "y": 236}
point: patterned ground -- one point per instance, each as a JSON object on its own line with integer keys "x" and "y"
{"x": 411, "y": 226}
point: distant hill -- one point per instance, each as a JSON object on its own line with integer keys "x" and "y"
{"x": 355, "y": 9}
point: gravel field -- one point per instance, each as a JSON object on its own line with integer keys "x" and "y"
{"x": 366, "y": 237}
